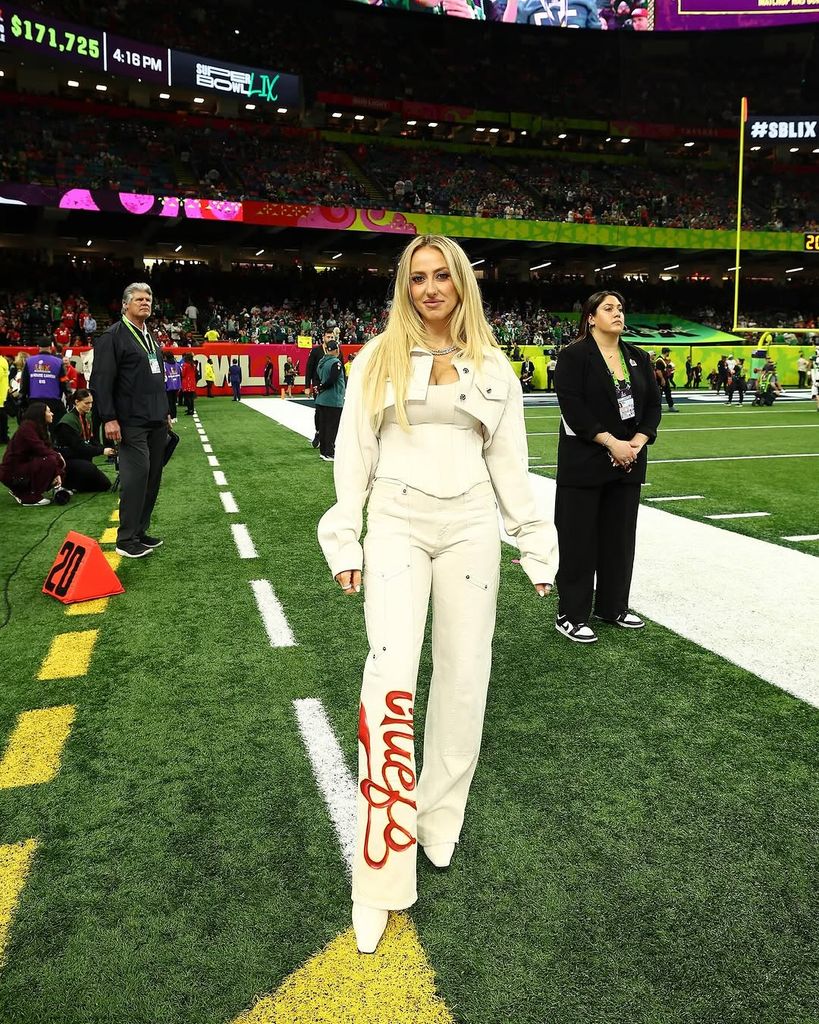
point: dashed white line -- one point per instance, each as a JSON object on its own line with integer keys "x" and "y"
{"x": 244, "y": 542}
{"x": 331, "y": 771}
{"x": 739, "y": 515}
{"x": 228, "y": 502}
{"x": 207, "y": 447}
{"x": 678, "y": 497}
{"x": 275, "y": 621}
{"x": 803, "y": 536}
{"x": 204, "y": 439}
{"x": 219, "y": 478}
{"x": 212, "y": 460}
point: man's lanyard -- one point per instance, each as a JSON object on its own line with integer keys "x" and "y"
{"x": 146, "y": 346}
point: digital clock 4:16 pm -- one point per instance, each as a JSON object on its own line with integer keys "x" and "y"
{"x": 42, "y": 34}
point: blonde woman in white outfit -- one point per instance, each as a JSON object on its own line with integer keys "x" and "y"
{"x": 433, "y": 435}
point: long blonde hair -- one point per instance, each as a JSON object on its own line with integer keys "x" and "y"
{"x": 468, "y": 327}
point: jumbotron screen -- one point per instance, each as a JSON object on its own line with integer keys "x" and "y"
{"x": 618, "y": 15}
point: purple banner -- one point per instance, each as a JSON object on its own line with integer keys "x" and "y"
{"x": 688, "y": 15}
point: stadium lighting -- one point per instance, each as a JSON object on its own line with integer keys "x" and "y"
{"x": 259, "y": 253}
{"x": 164, "y": 95}
{"x": 178, "y": 248}
{"x": 625, "y": 140}
{"x": 755, "y": 149}
{"x": 102, "y": 88}
{"x": 250, "y": 106}
{"x": 432, "y": 124}
{"x": 337, "y": 114}
{"x": 480, "y": 129}
{"x": 688, "y": 145}
{"x": 89, "y": 242}
{"x": 562, "y": 135}
{"x": 359, "y": 117}
{"x": 198, "y": 99}
{"x": 236, "y": 31}
{"x": 674, "y": 266}
{"x": 524, "y": 132}
{"x": 477, "y": 263}
{"x": 816, "y": 151}
{"x": 794, "y": 149}
{"x": 597, "y": 270}
{"x": 281, "y": 110}
{"x": 494, "y": 131}
{"x": 794, "y": 270}
{"x": 73, "y": 84}
{"x": 2, "y": 73}
{"x": 337, "y": 255}
{"x": 734, "y": 268}
{"x": 412, "y": 124}
{"x": 540, "y": 266}
{"x": 609, "y": 266}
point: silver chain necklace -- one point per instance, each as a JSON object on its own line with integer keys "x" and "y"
{"x": 442, "y": 351}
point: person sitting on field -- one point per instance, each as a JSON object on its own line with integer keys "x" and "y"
{"x": 75, "y": 442}
{"x": 769, "y": 386}
{"x": 30, "y": 466}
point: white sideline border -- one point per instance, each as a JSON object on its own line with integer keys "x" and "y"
{"x": 278, "y": 629}
{"x": 729, "y": 610}
{"x": 331, "y": 771}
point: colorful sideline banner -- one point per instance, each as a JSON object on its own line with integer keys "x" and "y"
{"x": 349, "y": 218}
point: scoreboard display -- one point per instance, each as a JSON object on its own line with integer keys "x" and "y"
{"x": 812, "y": 241}
{"x": 103, "y": 52}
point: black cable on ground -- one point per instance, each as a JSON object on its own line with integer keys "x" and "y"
{"x": 7, "y": 582}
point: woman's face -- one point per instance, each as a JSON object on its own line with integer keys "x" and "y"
{"x": 49, "y": 415}
{"x": 431, "y": 286}
{"x": 84, "y": 405}
{"x": 609, "y": 316}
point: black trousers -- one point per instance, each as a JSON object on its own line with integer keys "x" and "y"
{"x": 668, "y": 396}
{"x": 596, "y": 530}
{"x": 329, "y": 418}
{"x": 141, "y": 453}
{"x": 82, "y": 475}
{"x": 4, "y": 425}
{"x": 172, "y": 395}
{"x": 188, "y": 400}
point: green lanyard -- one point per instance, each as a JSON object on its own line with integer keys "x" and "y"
{"x": 147, "y": 347}
{"x": 626, "y": 376}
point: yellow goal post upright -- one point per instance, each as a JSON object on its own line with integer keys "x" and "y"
{"x": 743, "y": 119}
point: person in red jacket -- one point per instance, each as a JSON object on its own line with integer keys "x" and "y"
{"x": 30, "y": 465}
{"x": 188, "y": 383}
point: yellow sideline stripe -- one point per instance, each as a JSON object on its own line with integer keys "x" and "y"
{"x": 109, "y": 536}
{"x": 15, "y": 862}
{"x": 396, "y": 984}
{"x": 69, "y": 655}
{"x": 35, "y": 747}
{"x": 88, "y": 607}
{"x": 115, "y": 516}
{"x": 113, "y": 559}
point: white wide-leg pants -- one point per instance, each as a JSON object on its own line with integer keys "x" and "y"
{"x": 415, "y": 544}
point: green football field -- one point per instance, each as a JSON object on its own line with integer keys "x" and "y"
{"x": 641, "y": 838}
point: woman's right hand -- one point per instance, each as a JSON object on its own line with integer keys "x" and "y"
{"x": 349, "y": 581}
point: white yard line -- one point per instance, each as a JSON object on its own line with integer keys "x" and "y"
{"x": 244, "y": 542}
{"x": 275, "y": 621}
{"x": 739, "y": 515}
{"x": 727, "y": 610}
{"x": 679, "y": 497}
{"x": 208, "y": 448}
{"x": 803, "y": 536}
{"x": 331, "y": 771}
{"x": 219, "y": 478}
{"x": 228, "y": 502}
{"x": 212, "y": 460}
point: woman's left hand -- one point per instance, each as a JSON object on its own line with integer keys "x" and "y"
{"x": 543, "y": 589}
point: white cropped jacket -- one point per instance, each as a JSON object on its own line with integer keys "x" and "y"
{"x": 493, "y": 396}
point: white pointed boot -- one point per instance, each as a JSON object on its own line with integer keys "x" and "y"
{"x": 368, "y": 924}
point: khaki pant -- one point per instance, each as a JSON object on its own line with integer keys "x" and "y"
{"x": 415, "y": 544}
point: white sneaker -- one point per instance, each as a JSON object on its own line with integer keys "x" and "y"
{"x": 626, "y": 620}
{"x": 35, "y": 504}
{"x": 327, "y": 458}
{"x": 579, "y": 632}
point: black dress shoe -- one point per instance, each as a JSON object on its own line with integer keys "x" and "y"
{"x": 133, "y": 549}
{"x": 150, "y": 542}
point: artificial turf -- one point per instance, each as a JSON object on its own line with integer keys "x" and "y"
{"x": 640, "y": 843}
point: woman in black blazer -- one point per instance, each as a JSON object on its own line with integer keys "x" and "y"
{"x": 610, "y": 410}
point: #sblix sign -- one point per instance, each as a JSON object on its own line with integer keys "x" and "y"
{"x": 783, "y": 127}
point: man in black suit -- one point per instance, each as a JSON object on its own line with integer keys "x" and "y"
{"x": 527, "y": 372}
{"x": 128, "y": 383}
{"x": 610, "y": 411}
